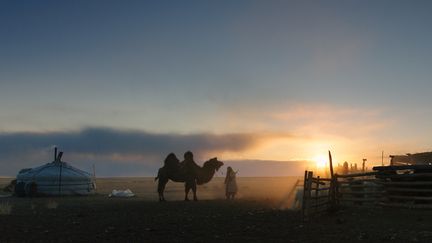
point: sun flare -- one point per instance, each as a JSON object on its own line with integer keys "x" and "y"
{"x": 320, "y": 161}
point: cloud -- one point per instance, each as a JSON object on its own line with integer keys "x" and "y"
{"x": 352, "y": 132}
{"x": 334, "y": 120}
{"x": 108, "y": 146}
{"x": 313, "y": 120}
{"x": 105, "y": 141}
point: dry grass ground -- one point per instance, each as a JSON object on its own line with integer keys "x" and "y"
{"x": 5, "y": 208}
{"x": 252, "y": 218}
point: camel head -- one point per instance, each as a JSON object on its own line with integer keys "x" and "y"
{"x": 214, "y": 163}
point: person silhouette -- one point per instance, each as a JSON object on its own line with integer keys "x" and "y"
{"x": 188, "y": 164}
{"x": 189, "y": 167}
{"x": 230, "y": 184}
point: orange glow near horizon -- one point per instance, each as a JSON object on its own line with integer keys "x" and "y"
{"x": 320, "y": 161}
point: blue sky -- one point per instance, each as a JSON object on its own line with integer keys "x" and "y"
{"x": 300, "y": 77}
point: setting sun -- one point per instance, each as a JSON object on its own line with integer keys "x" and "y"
{"x": 320, "y": 161}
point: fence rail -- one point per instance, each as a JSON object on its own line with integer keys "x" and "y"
{"x": 316, "y": 195}
{"x": 408, "y": 186}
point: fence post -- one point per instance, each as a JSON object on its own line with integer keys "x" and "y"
{"x": 307, "y": 194}
{"x": 334, "y": 191}
{"x": 305, "y": 180}
{"x": 333, "y": 184}
{"x": 316, "y": 193}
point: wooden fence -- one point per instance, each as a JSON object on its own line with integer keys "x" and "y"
{"x": 358, "y": 189}
{"x": 317, "y": 195}
{"x": 398, "y": 186}
{"x": 406, "y": 186}
{"x": 395, "y": 186}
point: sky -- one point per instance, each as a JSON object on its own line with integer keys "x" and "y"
{"x": 120, "y": 84}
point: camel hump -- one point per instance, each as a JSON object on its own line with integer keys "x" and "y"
{"x": 171, "y": 161}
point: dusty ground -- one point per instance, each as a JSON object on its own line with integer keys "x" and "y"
{"x": 142, "y": 219}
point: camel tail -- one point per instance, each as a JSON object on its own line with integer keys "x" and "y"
{"x": 158, "y": 174}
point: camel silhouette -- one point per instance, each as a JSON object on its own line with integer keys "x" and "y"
{"x": 178, "y": 172}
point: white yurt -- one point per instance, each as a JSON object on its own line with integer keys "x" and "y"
{"x": 54, "y": 179}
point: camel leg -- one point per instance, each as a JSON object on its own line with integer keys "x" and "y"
{"x": 187, "y": 189}
{"x": 161, "y": 188}
{"x": 194, "y": 189}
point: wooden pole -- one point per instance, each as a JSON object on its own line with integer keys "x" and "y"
{"x": 60, "y": 173}
{"x": 382, "y": 158}
{"x": 304, "y": 194}
{"x": 309, "y": 193}
{"x": 363, "y": 165}
{"x": 94, "y": 177}
{"x": 316, "y": 193}
{"x": 331, "y": 164}
{"x": 333, "y": 185}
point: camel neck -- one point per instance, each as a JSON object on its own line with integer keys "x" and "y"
{"x": 205, "y": 175}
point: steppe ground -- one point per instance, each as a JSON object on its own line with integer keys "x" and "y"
{"x": 257, "y": 216}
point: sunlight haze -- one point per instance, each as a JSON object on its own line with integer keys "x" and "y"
{"x": 238, "y": 80}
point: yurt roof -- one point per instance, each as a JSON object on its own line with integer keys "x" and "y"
{"x": 52, "y": 171}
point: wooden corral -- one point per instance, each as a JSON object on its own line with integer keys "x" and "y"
{"x": 407, "y": 186}
{"x": 358, "y": 189}
{"x": 316, "y": 195}
{"x": 401, "y": 186}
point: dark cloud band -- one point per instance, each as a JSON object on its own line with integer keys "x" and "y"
{"x": 104, "y": 141}
{"x": 119, "y": 152}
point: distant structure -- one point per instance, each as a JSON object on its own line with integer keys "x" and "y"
{"x": 346, "y": 168}
{"x": 424, "y": 158}
{"x": 54, "y": 179}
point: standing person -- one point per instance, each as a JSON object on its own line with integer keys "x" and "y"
{"x": 189, "y": 167}
{"x": 188, "y": 164}
{"x": 230, "y": 183}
